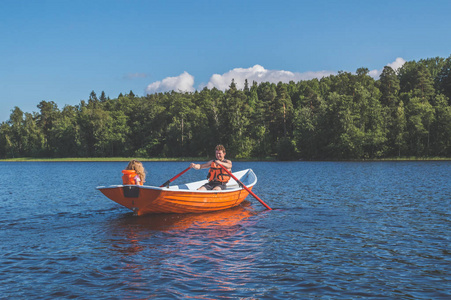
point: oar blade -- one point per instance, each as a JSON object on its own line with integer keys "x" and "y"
{"x": 246, "y": 188}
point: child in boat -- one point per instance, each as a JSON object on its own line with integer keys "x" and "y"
{"x": 134, "y": 173}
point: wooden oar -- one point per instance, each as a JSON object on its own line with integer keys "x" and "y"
{"x": 174, "y": 178}
{"x": 245, "y": 187}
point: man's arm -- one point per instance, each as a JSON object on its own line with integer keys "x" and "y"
{"x": 201, "y": 166}
{"x": 226, "y": 163}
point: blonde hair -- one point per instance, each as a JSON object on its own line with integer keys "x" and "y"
{"x": 138, "y": 167}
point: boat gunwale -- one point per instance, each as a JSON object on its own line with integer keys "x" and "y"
{"x": 201, "y": 182}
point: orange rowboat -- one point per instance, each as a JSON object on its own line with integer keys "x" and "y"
{"x": 184, "y": 198}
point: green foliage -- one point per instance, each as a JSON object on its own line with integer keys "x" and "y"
{"x": 443, "y": 79}
{"x": 345, "y": 116}
{"x": 389, "y": 87}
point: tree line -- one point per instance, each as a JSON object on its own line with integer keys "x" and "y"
{"x": 406, "y": 112}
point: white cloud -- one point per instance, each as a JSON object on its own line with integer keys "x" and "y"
{"x": 374, "y": 73}
{"x": 394, "y": 65}
{"x": 398, "y": 63}
{"x": 259, "y": 74}
{"x": 184, "y": 82}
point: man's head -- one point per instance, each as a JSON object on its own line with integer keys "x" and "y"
{"x": 220, "y": 152}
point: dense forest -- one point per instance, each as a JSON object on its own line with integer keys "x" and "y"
{"x": 406, "y": 112}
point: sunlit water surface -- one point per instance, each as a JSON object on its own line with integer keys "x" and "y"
{"x": 338, "y": 230}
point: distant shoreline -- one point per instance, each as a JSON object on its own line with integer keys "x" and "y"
{"x": 194, "y": 159}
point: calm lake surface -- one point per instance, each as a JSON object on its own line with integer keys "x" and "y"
{"x": 338, "y": 230}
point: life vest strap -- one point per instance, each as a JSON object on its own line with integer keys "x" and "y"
{"x": 216, "y": 173}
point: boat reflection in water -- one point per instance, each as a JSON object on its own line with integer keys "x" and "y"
{"x": 130, "y": 232}
{"x": 186, "y": 251}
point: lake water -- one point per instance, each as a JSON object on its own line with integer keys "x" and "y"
{"x": 338, "y": 230}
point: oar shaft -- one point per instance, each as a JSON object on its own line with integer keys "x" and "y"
{"x": 175, "y": 177}
{"x": 246, "y": 188}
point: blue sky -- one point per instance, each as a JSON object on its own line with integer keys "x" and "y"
{"x": 62, "y": 50}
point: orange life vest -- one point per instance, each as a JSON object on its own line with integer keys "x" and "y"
{"x": 216, "y": 173}
{"x": 129, "y": 177}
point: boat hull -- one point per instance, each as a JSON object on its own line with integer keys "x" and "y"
{"x": 147, "y": 199}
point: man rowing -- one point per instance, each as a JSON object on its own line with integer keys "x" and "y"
{"x": 217, "y": 177}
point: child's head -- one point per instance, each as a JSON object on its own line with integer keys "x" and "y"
{"x": 138, "y": 167}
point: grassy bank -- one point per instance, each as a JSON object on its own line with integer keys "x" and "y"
{"x": 410, "y": 158}
{"x": 197, "y": 159}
